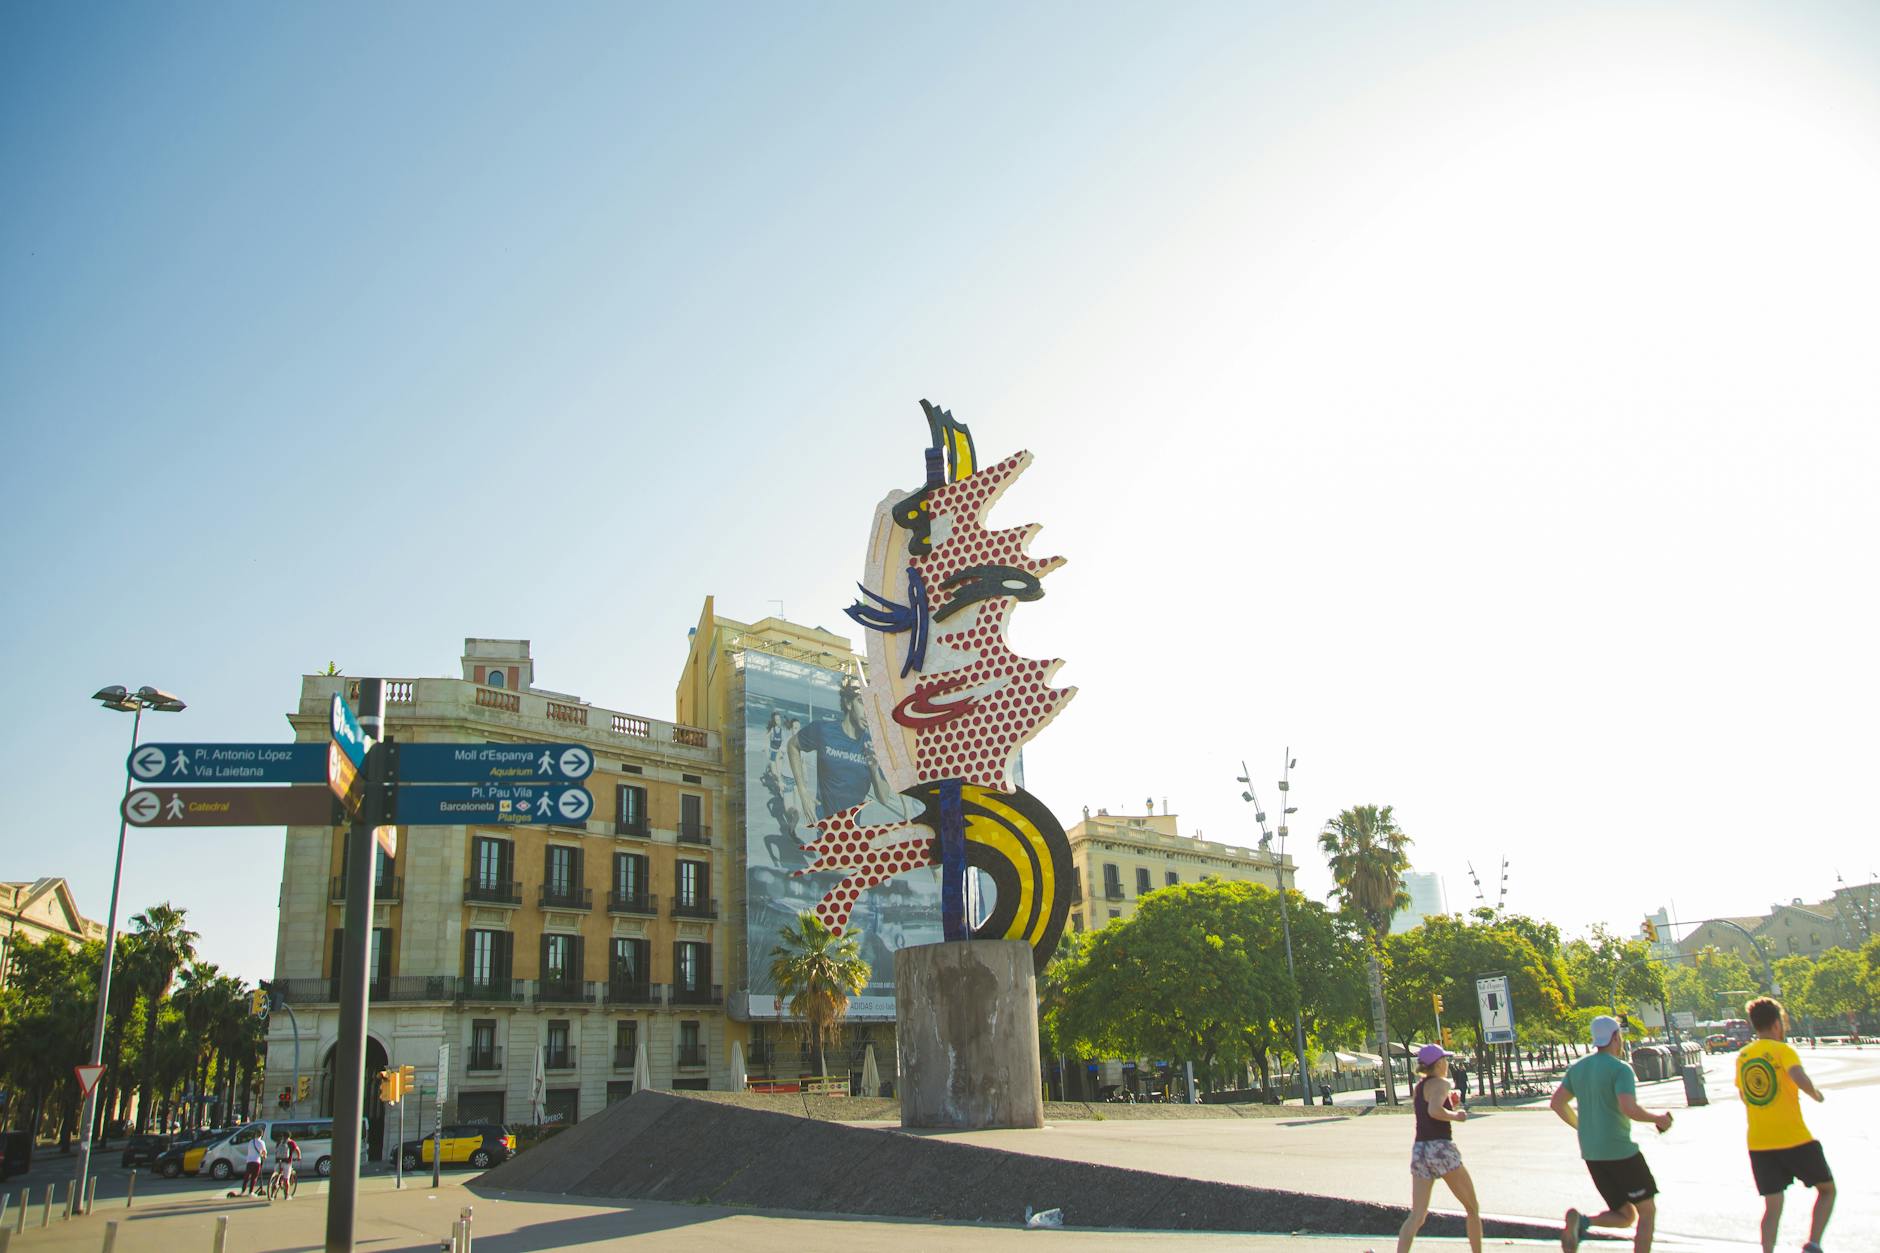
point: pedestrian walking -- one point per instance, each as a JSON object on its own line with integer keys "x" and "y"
{"x": 1770, "y": 1078}
{"x": 1606, "y": 1094}
{"x": 1434, "y": 1155}
{"x": 253, "y": 1152}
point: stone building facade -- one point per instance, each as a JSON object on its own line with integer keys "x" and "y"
{"x": 1121, "y": 858}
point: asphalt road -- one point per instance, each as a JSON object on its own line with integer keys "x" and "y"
{"x": 1525, "y": 1161}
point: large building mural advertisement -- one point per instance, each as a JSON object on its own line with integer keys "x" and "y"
{"x": 808, "y": 755}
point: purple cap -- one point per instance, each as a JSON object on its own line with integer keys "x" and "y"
{"x": 1430, "y": 1054}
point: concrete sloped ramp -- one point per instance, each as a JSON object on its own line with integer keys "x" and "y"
{"x": 663, "y": 1147}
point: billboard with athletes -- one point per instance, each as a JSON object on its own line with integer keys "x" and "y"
{"x": 807, "y": 755}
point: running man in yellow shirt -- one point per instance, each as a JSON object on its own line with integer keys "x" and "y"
{"x": 1770, "y": 1078}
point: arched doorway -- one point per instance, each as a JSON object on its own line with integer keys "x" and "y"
{"x": 376, "y": 1061}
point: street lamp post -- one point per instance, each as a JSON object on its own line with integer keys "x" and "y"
{"x": 1285, "y": 917}
{"x": 134, "y": 703}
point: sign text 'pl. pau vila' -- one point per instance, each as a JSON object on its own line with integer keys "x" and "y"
{"x": 493, "y": 804}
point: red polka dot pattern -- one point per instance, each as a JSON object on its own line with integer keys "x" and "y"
{"x": 846, "y": 845}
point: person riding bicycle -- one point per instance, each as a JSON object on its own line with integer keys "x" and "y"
{"x": 287, "y": 1163}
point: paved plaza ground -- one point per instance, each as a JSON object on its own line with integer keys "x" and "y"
{"x": 1523, "y": 1160}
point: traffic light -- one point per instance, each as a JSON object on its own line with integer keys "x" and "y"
{"x": 258, "y": 1002}
{"x": 1449, "y": 1038}
{"x": 407, "y": 1080}
{"x": 304, "y": 1088}
{"x": 1436, "y": 999}
{"x": 389, "y": 1090}
{"x": 1651, "y": 930}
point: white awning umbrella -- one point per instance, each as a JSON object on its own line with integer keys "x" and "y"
{"x": 541, "y": 1082}
{"x": 738, "y": 1076}
{"x": 871, "y": 1074}
{"x": 642, "y": 1068}
{"x": 1359, "y": 1059}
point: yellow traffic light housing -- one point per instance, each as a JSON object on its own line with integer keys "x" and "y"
{"x": 407, "y": 1080}
{"x": 388, "y": 1087}
{"x": 303, "y": 1088}
{"x": 1449, "y": 1038}
{"x": 1436, "y": 999}
{"x": 258, "y": 1002}
{"x": 1651, "y": 931}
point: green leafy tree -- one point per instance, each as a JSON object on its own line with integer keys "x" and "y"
{"x": 1368, "y": 855}
{"x": 1792, "y": 973}
{"x": 1612, "y": 973}
{"x": 164, "y": 945}
{"x": 819, "y": 972}
{"x": 45, "y": 1021}
{"x": 1837, "y": 984}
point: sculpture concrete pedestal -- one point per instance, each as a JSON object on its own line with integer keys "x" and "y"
{"x": 968, "y": 1030}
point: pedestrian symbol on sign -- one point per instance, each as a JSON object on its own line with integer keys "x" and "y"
{"x": 176, "y": 805}
{"x": 182, "y": 762}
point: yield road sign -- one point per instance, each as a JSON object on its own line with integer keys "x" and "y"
{"x": 347, "y": 732}
{"x": 228, "y": 763}
{"x": 230, "y": 807}
{"x": 87, "y": 1077}
{"x": 494, "y": 763}
{"x": 496, "y": 803}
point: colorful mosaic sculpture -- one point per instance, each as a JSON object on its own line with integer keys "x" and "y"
{"x": 949, "y": 705}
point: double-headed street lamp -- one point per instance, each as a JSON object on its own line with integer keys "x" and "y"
{"x": 1285, "y": 920}
{"x": 134, "y": 703}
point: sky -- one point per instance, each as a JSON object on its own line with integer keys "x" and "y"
{"x": 1476, "y": 399}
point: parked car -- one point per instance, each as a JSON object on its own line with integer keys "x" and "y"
{"x": 144, "y": 1150}
{"x": 478, "y": 1144}
{"x": 1721, "y": 1044}
{"x": 223, "y": 1155}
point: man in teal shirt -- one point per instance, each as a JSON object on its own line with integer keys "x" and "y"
{"x": 1606, "y": 1093}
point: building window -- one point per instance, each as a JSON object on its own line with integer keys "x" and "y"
{"x": 691, "y": 1051}
{"x": 692, "y": 968}
{"x": 630, "y": 877}
{"x": 1172, "y": 878}
{"x": 626, "y": 1044}
{"x": 619, "y": 1090}
{"x": 632, "y": 813}
{"x": 561, "y": 872}
{"x": 492, "y": 862}
{"x": 694, "y": 884}
{"x": 487, "y": 958}
{"x": 1115, "y": 914}
{"x": 561, "y": 960}
{"x": 1112, "y": 881}
{"x": 691, "y": 817}
{"x": 627, "y": 966}
{"x": 1142, "y": 880}
{"x": 482, "y": 1045}
{"x": 1077, "y": 922}
{"x": 559, "y": 1053}
{"x": 493, "y": 678}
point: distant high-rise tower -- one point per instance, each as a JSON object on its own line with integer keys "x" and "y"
{"x": 1427, "y": 897}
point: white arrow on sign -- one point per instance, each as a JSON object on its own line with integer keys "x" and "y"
{"x": 87, "y": 1078}
{"x": 574, "y": 804}
{"x": 142, "y": 807}
{"x": 576, "y": 763}
{"x": 148, "y": 763}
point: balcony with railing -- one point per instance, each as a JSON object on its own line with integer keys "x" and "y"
{"x": 488, "y": 990}
{"x": 694, "y": 833}
{"x": 564, "y": 896}
{"x": 1112, "y": 891}
{"x": 638, "y": 829}
{"x": 558, "y": 1057}
{"x": 646, "y": 904}
{"x": 635, "y": 992}
{"x": 510, "y": 711}
{"x": 691, "y": 1058}
{"x": 565, "y": 992}
{"x": 760, "y": 1053}
{"x": 492, "y": 891}
{"x": 483, "y": 1060}
{"x": 387, "y": 890}
{"x": 625, "y": 1056}
{"x": 382, "y": 988}
{"x": 696, "y": 907}
{"x": 703, "y": 994}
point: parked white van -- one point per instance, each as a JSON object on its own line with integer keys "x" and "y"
{"x": 227, "y": 1157}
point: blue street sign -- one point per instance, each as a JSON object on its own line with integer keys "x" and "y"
{"x": 492, "y": 803}
{"x": 228, "y": 763}
{"x": 348, "y": 734}
{"x": 493, "y": 763}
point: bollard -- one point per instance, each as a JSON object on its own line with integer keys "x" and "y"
{"x": 45, "y": 1209}
{"x": 91, "y": 1193}
{"x": 132, "y": 1194}
{"x": 6, "y": 1237}
{"x": 110, "y": 1235}
{"x": 26, "y": 1203}
{"x": 456, "y": 1236}
{"x": 469, "y": 1215}
{"x": 221, "y": 1234}
{"x": 5, "y": 1197}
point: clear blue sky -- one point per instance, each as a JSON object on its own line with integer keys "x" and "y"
{"x": 1477, "y": 399}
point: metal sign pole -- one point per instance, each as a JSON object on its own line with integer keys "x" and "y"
{"x": 349, "y": 1057}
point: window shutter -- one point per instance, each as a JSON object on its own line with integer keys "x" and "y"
{"x": 339, "y": 952}
{"x": 505, "y": 958}
{"x": 705, "y": 965}
{"x": 576, "y": 879}
{"x": 678, "y": 967}
{"x": 579, "y": 970}
{"x": 469, "y": 970}
{"x": 506, "y": 860}
{"x": 542, "y": 971}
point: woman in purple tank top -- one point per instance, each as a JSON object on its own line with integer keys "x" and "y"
{"x": 1434, "y": 1155}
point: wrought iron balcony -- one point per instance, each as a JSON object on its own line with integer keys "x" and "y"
{"x": 625, "y": 1055}
{"x": 701, "y": 995}
{"x": 634, "y": 992}
{"x": 485, "y": 1060}
{"x": 691, "y": 1058}
{"x": 490, "y": 991}
{"x": 558, "y": 1058}
{"x": 695, "y": 908}
{"x": 1112, "y": 891}
{"x": 694, "y": 833}
{"x": 646, "y": 904}
{"x": 565, "y": 897}
{"x": 386, "y": 890}
{"x": 492, "y": 891}
{"x": 637, "y": 829}
{"x": 564, "y": 992}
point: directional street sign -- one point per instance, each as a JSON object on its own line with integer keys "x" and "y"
{"x": 493, "y": 763}
{"x": 231, "y": 807}
{"x": 387, "y": 838}
{"x": 87, "y": 1078}
{"x": 492, "y": 803}
{"x": 1491, "y": 995}
{"x": 342, "y": 779}
{"x": 229, "y": 763}
{"x": 347, "y": 732}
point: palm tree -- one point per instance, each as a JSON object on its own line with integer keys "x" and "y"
{"x": 1368, "y": 856}
{"x": 165, "y": 944}
{"x": 819, "y": 971}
